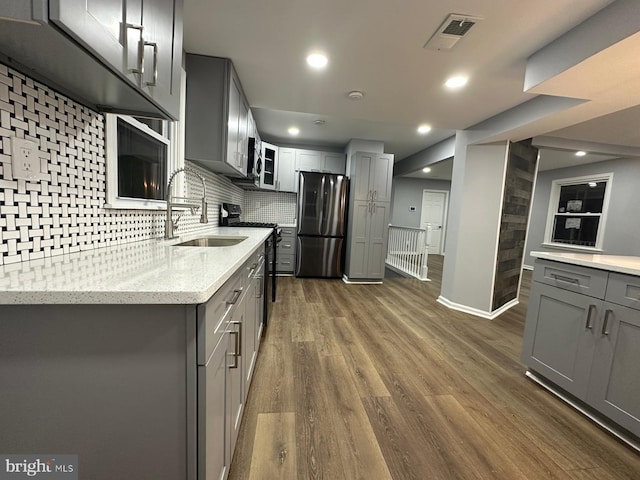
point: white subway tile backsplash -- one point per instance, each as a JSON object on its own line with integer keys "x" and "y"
{"x": 275, "y": 207}
{"x": 63, "y": 213}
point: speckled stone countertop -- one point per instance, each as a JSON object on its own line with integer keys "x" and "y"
{"x": 145, "y": 272}
{"x": 612, "y": 263}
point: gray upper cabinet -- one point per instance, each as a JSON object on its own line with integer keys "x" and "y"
{"x": 217, "y": 116}
{"x": 134, "y": 51}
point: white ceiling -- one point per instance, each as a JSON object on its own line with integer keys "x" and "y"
{"x": 376, "y": 46}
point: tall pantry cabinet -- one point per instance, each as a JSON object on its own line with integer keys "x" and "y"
{"x": 369, "y": 210}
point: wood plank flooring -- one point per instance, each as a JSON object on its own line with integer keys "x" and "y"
{"x": 382, "y": 382}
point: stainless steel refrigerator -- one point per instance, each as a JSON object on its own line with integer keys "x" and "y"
{"x": 322, "y": 214}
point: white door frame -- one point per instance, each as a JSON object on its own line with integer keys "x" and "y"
{"x": 445, "y": 213}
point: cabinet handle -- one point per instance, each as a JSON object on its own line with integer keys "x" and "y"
{"x": 154, "y": 45}
{"x": 589, "y": 325}
{"x": 562, "y": 278}
{"x": 369, "y": 195}
{"x": 375, "y": 195}
{"x": 238, "y": 338}
{"x": 236, "y": 295}
{"x": 605, "y": 324}
{"x": 140, "y": 66}
{"x": 235, "y": 353}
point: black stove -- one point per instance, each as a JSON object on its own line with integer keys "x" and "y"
{"x": 230, "y": 217}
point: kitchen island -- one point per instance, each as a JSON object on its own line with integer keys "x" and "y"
{"x": 131, "y": 357}
{"x": 582, "y": 336}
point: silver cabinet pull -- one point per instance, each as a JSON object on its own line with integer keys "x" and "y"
{"x": 605, "y": 324}
{"x": 370, "y": 195}
{"x": 236, "y": 295}
{"x": 235, "y": 353}
{"x": 562, "y": 278}
{"x": 140, "y": 67}
{"x": 238, "y": 338}
{"x": 589, "y": 325}
{"x": 154, "y": 45}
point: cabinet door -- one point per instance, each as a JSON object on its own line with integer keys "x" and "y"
{"x": 243, "y": 137}
{"x": 269, "y": 166}
{"x": 287, "y": 177}
{"x": 144, "y": 45}
{"x": 235, "y": 383}
{"x": 213, "y": 454}
{"x": 377, "y": 240}
{"x": 249, "y": 333}
{"x": 308, "y": 161}
{"x": 380, "y": 177}
{"x": 360, "y": 173}
{"x": 233, "y": 125}
{"x": 559, "y": 337}
{"x": 359, "y": 240}
{"x": 334, "y": 162}
{"x": 98, "y": 25}
{"x": 615, "y": 384}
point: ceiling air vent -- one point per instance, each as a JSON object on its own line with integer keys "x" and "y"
{"x": 451, "y": 31}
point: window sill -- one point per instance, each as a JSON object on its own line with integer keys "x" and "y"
{"x": 562, "y": 246}
{"x": 134, "y": 204}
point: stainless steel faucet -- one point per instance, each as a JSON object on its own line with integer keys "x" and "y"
{"x": 170, "y": 225}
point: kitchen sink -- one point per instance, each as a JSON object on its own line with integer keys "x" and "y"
{"x": 213, "y": 241}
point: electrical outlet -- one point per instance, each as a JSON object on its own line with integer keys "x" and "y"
{"x": 25, "y": 159}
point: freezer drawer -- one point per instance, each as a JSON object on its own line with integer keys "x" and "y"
{"x": 319, "y": 256}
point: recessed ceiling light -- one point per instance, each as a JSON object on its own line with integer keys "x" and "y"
{"x": 458, "y": 81}
{"x": 293, "y": 131}
{"x": 580, "y": 153}
{"x": 426, "y": 169}
{"x": 317, "y": 60}
{"x": 355, "y": 95}
{"x": 319, "y": 122}
{"x": 424, "y": 129}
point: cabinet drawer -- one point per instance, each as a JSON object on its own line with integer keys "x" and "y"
{"x": 588, "y": 281}
{"x": 288, "y": 232}
{"x": 285, "y": 263}
{"x": 212, "y": 317}
{"x": 624, "y": 290}
{"x": 286, "y": 247}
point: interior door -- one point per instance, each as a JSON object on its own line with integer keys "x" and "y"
{"x": 433, "y": 208}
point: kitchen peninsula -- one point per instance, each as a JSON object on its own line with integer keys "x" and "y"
{"x": 136, "y": 357}
{"x": 582, "y": 336}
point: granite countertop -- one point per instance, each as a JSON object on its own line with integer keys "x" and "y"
{"x": 145, "y": 272}
{"x": 612, "y": 263}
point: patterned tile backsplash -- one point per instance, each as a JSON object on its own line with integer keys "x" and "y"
{"x": 64, "y": 212}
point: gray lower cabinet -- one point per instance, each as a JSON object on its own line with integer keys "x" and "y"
{"x": 111, "y": 53}
{"x": 587, "y": 344}
{"x": 159, "y": 387}
{"x": 286, "y": 254}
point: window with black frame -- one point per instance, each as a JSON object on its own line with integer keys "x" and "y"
{"x": 577, "y": 211}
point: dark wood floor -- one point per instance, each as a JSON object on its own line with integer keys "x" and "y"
{"x": 380, "y": 381}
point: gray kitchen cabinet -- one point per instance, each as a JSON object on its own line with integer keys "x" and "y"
{"x": 367, "y": 240}
{"x": 559, "y": 338}
{"x": 369, "y": 209}
{"x": 216, "y": 116}
{"x": 213, "y": 444}
{"x": 587, "y": 344}
{"x": 113, "y": 55}
{"x": 287, "y": 180}
{"x": 334, "y": 162}
{"x": 269, "y": 175}
{"x": 286, "y": 253}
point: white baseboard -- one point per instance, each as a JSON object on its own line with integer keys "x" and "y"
{"x": 476, "y": 311}
{"x": 345, "y": 279}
